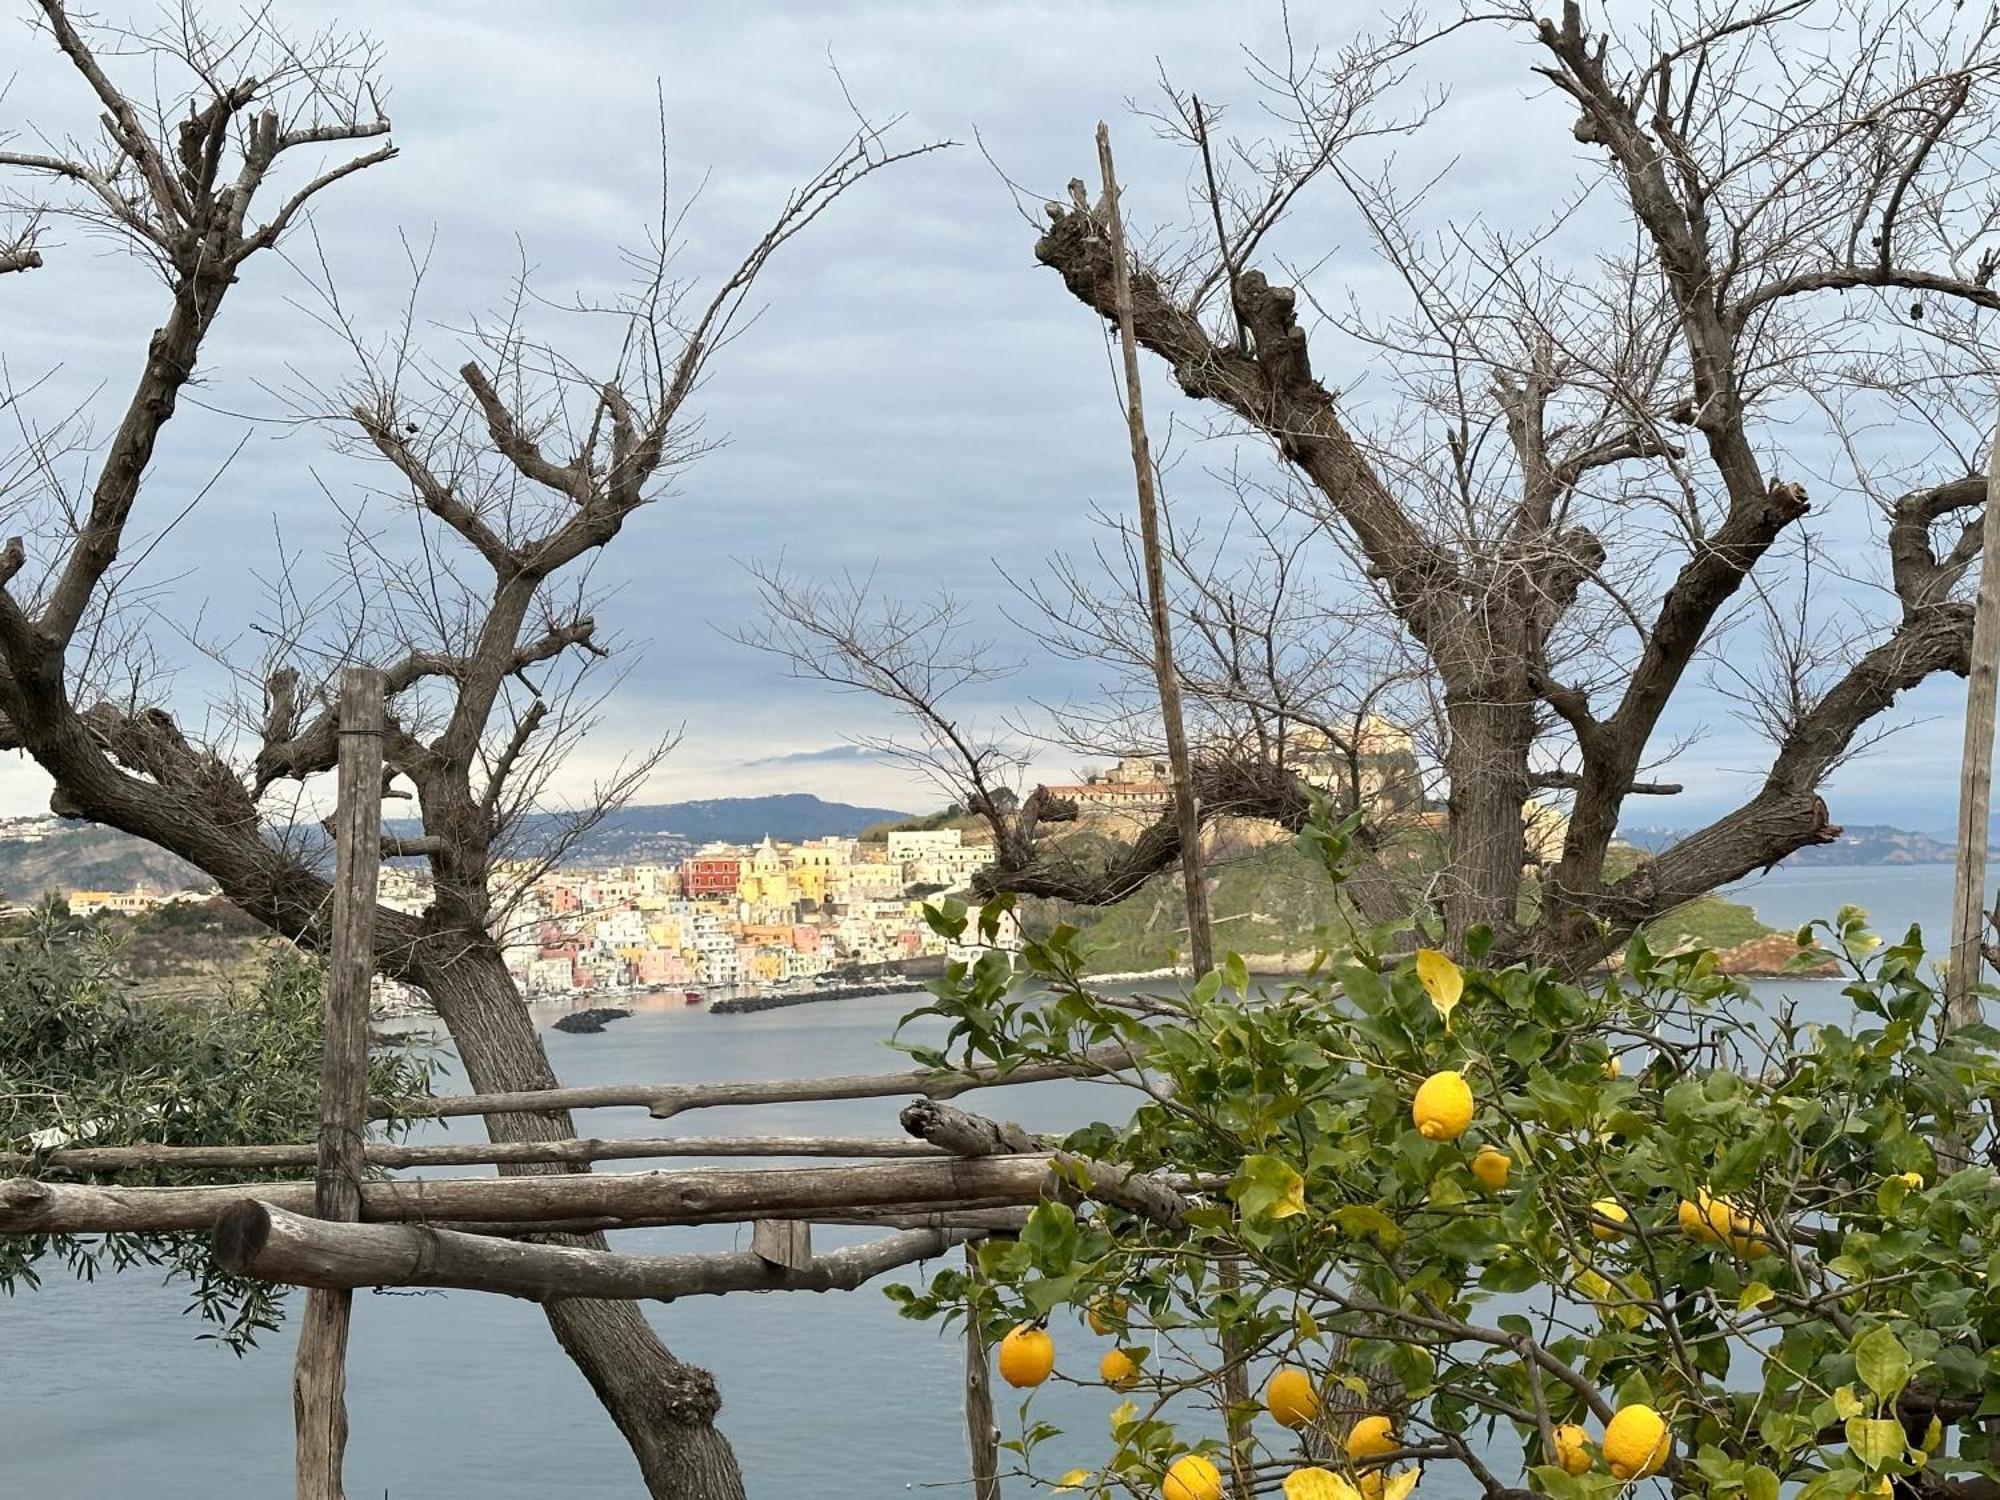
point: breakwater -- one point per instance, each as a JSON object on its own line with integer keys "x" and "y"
{"x": 747, "y": 1004}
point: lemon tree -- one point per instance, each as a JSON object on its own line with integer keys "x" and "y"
{"x": 1751, "y": 1260}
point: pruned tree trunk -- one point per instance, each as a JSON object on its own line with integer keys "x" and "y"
{"x": 1487, "y": 762}
{"x": 664, "y": 1407}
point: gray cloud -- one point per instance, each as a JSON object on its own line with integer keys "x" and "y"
{"x": 919, "y": 396}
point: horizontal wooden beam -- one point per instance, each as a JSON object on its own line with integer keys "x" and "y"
{"x": 977, "y": 1221}
{"x": 706, "y": 1195}
{"x": 273, "y": 1244}
{"x": 668, "y": 1099}
{"x": 576, "y": 1152}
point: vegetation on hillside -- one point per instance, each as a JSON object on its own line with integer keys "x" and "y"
{"x": 1275, "y": 906}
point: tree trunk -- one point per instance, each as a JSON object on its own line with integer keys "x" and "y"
{"x": 665, "y": 1407}
{"x": 1487, "y": 762}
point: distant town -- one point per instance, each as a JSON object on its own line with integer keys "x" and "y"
{"x": 726, "y": 919}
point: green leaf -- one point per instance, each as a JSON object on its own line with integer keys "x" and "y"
{"x": 1267, "y": 1189}
{"x": 1876, "y": 1441}
{"x": 1882, "y": 1362}
{"x": 1235, "y": 974}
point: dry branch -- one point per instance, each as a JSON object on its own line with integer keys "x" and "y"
{"x": 262, "y": 1240}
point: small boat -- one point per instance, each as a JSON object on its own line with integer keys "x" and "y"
{"x": 693, "y": 997}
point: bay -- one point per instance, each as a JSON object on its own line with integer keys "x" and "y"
{"x": 104, "y": 1388}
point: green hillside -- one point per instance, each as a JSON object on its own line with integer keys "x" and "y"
{"x": 1274, "y": 904}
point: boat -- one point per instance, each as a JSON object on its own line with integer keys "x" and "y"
{"x": 693, "y": 997}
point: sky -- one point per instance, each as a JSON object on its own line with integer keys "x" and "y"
{"x": 918, "y": 398}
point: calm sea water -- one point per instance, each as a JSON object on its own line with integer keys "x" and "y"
{"x": 105, "y": 1393}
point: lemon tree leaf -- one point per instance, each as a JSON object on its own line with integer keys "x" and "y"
{"x": 1075, "y": 1479}
{"x": 1882, "y": 1362}
{"x": 1266, "y": 1188}
{"x": 1442, "y": 980}
{"x": 1876, "y": 1441}
{"x": 1754, "y": 1295}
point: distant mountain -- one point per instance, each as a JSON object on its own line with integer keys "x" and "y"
{"x": 1858, "y": 844}
{"x": 41, "y": 854}
{"x": 666, "y": 829}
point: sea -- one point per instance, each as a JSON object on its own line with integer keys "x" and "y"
{"x": 106, "y": 1392}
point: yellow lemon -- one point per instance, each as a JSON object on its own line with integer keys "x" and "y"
{"x": 1573, "y": 1448}
{"x": 1315, "y": 1483}
{"x": 1371, "y": 1437}
{"x": 1914, "y": 1181}
{"x": 1118, "y": 1371}
{"x": 1635, "y": 1442}
{"x": 1443, "y": 1106}
{"x": 1106, "y": 1315}
{"x": 1027, "y": 1355}
{"x": 1608, "y": 1208}
{"x": 1290, "y": 1398}
{"x": 1710, "y": 1220}
{"x": 1490, "y": 1168}
{"x": 1192, "y": 1477}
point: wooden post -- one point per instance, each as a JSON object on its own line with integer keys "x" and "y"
{"x": 1186, "y": 805}
{"x": 982, "y": 1434}
{"x": 1233, "y": 1388}
{"x": 782, "y": 1242}
{"x": 1975, "y": 776}
{"x": 319, "y": 1373}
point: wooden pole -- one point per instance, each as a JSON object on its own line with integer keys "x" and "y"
{"x": 982, "y": 1433}
{"x": 1975, "y": 776}
{"x": 1233, "y": 1387}
{"x": 1187, "y": 806}
{"x": 665, "y": 1100}
{"x": 571, "y": 1152}
{"x": 699, "y": 1195}
{"x": 319, "y": 1372}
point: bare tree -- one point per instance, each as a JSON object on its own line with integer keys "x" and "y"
{"x": 518, "y": 467}
{"x": 1593, "y": 436}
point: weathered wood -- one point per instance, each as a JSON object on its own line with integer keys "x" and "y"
{"x": 262, "y": 1240}
{"x": 668, "y": 1099}
{"x": 981, "y": 1221}
{"x": 112, "y": 1159}
{"x": 319, "y": 1368}
{"x": 705, "y": 1195}
{"x": 1975, "y": 776}
{"x": 1201, "y": 951}
{"x": 965, "y": 1134}
{"x": 782, "y": 1242}
{"x": 975, "y": 1136}
{"x": 982, "y": 1433}
{"x": 1165, "y": 678}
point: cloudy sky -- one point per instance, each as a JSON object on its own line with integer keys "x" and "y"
{"x": 918, "y": 398}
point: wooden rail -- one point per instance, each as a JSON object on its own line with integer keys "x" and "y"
{"x": 576, "y": 1151}
{"x": 708, "y": 1195}
{"x": 262, "y": 1240}
{"x": 665, "y": 1100}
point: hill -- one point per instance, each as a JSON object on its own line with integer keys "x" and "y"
{"x": 44, "y": 854}
{"x": 1270, "y": 903}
